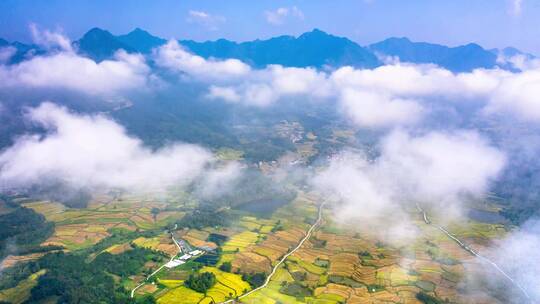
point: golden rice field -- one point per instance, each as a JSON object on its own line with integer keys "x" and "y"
{"x": 227, "y": 285}
{"x": 198, "y": 238}
{"x": 241, "y": 241}
{"x": 47, "y": 208}
{"x": 118, "y": 248}
{"x": 180, "y": 295}
{"x": 171, "y": 283}
{"x": 232, "y": 281}
{"x": 271, "y": 294}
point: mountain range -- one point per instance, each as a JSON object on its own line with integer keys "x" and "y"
{"x": 311, "y": 49}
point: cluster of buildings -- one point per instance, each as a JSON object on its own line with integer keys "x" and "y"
{"x": 183, "y": 259}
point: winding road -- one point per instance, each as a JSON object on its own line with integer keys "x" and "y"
{"x": 308, "y": 235}
{"x": 474, "y": 253}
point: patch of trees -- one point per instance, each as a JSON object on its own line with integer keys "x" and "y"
{"x": 226, "y": 266}
{"x": 22, "y": 231}
{"x": 13, "y": 275}
{"x": 217, "y": 238}
{"x": 8, "y": 200}
{"x": 127, "y": 263}
{"x": 118, "y": 236}
{"x": 295, "y": 289}
{"x": 205, "y": 216}
{"x": 518, "y": 215}
{"x": 277, "y": 227}
{"x": 427, "y": 299}
{"x": 72, "y": 279}
{"x": 254, "y": 279}
{"x": 317, "y": 243}
{"x": 201, "y": 282}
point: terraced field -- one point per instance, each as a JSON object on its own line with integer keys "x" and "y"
{"x": 80, "y": 228}
{"x": 339, "y": 263}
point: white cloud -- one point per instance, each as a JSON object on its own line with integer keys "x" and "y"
{"x": 6, "y": 53}
{"x": 94, "y": 152}
{"x": 207, "y": 20}
{"x": 518, "y": 254}
{"x": 225, "y": 93}
{"x": 67, "y": 70}
{"x": 518, "y": 94}
{"x": 391, "y": 95}
{"x": 265, "y": 87}
{"x": 219, "y": 181}
{"x": 439, "y": 170}
{"x": 63, "y": 68}
{"x": 522, "y": 62}
{"x": 516, "y": 7}
{"x": 174, "y": 57}
{"x": 280, "y": 15}
{"x": 368, "y": 109}
{"x": 50, "y": 39}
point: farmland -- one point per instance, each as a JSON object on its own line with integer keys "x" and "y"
{"x": 338, "y": 263}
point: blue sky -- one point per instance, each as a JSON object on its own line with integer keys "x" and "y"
{"x": 491, "y": 23}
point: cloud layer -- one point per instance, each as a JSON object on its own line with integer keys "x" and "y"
{"x": 385, "y": 97}
{"x": 67, "y": 70}
{"x": 94, "y": 152}
{"x": 518, "y": 255}
{"x": 440, "y": 171}
{"x": 392, "y": 95}
{"x": 174, "y": 57}
{"x": 62, "y": 68}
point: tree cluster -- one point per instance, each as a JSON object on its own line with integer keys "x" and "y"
{"x": 201, "y": 282}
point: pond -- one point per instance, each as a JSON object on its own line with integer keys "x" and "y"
{"x": 486, "y": 216}
{"x": 263, "y": 207}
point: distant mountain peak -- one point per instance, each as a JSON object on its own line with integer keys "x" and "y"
{"x": 100, "y": 44}
{"x": 311, "y": 49}
{"x": 315, "y": 33}
{"x": 138, "y": 29}
{"x": 318, "y": 31}
{"x": 138, "y": 32}
{"x": 399, "y": 39}
{"x": 462, "y": 58}
{"x": 141, "y": 40}
{"x": 315, "y": 48}
{"x": 97, "y": 32}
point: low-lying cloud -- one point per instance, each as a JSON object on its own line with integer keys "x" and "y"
{"x": 174, "y": 57}
{"x": 518, "y": 254}
{"x": 397, "y": 94}
{"x": 392, "y": 95}
{"x": 63, "y": 68}
{"x": 67, "y": 70}
{"x": 438, "y": 170}
{"x": 94, "y": 152}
